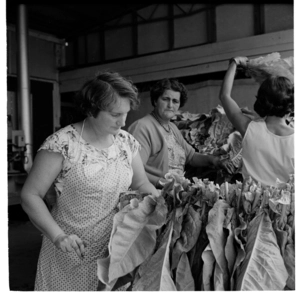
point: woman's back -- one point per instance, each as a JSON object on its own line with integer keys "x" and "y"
{"x": 268, "y": 154}
{"x": 278, "y": 126}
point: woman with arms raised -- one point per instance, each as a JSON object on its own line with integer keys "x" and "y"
{"x": 91, "y": 163}
{"x": 268, "y": 143}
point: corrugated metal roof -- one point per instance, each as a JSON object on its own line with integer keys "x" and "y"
{"x": 68, "y": 20}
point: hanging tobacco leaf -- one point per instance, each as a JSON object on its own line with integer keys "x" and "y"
{"x": 263, "y": 267}
{"x": 240, "y": 250}
{"x": 133, "y": 238}
{"x": 184, "y": 278}
{"x": 208, "y": 269}
{"x": 191, "y": 228}
{"x": 180, "y": 212}
{"x": 102, "y": 273}
{"x": 217, "y": 239}
{"x": 289, "y": 261}
{"x": 230, "y": 251}
{"x": 287, "y": 249}
{"x": 156, "y": 275}
{"x": 281, "y": 235}
{"x": 123, "y": 281}
{"x": 195, "y": 259}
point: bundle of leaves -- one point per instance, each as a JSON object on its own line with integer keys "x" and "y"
{"x": 198, "y": 235}
{"x": 213, "y": 134}
{"x": 267, "y": 233}
{"x": 272, "y": 64}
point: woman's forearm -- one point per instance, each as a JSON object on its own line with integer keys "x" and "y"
{"x": 153, "y": 179}
{"x": 148, "y": 187}
{"x": 40, "y": 216}
{"x": 227, "y": 83}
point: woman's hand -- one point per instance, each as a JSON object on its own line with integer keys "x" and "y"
{"x": 68, "y": 243}
{"x": 240, "y": 60}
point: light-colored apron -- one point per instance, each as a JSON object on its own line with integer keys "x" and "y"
{"x": 86, "y": 208}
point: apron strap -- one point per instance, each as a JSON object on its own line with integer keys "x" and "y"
{"x": 81, "y": 129}
{"x": 78, "y": 142}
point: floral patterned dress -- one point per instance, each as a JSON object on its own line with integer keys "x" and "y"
{"x": 88, "y": 188}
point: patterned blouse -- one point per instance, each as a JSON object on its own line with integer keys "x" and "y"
{"x": 73, "y": 148}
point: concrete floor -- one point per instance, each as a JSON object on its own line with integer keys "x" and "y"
{"x": 24, "y": 243}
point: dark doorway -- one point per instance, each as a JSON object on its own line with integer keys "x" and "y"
{"x": 42, "y": 112}
{"x": 42, "y": 109}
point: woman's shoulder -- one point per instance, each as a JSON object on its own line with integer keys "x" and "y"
{"x": 145, "y": 125}
{"x": 260, "y": 125}
{"x": 67, "y": 133}
{"x": 62, "y": 141}
{"x": 142, "y": 122}
{"x": 257, "y": 123}
{"x": 124, "y": 140}
{"x": 125, "y": 136}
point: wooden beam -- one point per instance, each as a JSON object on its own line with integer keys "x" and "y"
{"x": 207, "y": 58}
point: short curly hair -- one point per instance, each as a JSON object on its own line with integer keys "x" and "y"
{"x": 275, "y": 97}
{"x": 168, "y": 84}
{"x": 99, "y": 94}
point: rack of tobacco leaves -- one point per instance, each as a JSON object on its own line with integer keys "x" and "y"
{"x": 198, "y": 235}
{"x": 213, "y": 134}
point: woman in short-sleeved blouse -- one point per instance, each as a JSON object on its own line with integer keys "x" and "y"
{"x": 90, "y": 164}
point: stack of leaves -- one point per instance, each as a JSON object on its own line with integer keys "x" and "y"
{"x": 201, "y": 236}
{"x": 272, "y": 64}
{"x": 214, "y": 134}
{"x": 266, "y": 236}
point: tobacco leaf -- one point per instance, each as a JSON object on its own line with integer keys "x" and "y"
{"x": 221, "y": 127}
{"x": 218, "y": 279}
{"x": 179, "y": 212}
{"x": 217, "y": 239}
{"x": 133, "y": 238}
{"x": 230, "y": 252}
{"x": 208, "y": 269}
{"x": 263, "y": 267}
{"x": 240, "y": 249}
{"x": 281, "y": 235}
{"x": 156, "y": 275}
{"x": 184, "y": 278}
{"x": 235, "y": 151}
{"x": 289, "y": 261}
{"x": 191, "y": 228}
{"x": 195, "y": 259}
{"x": 287, "y": 249}
{"x": 102, "y": 273}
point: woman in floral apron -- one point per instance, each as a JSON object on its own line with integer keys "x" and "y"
{"x": 90, "y": 164}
